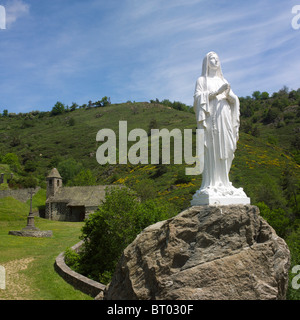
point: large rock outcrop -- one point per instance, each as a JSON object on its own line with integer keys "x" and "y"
{"x": 207, "y": 252}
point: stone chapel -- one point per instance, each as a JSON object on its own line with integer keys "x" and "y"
{"x": 71, "y": 203}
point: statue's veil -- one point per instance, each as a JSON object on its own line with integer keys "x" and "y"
{"x": 205, "y": 66}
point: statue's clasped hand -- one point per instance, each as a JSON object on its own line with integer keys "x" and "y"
{"x": 225, "y": 87}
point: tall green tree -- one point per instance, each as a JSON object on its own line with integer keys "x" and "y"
{"x": 68, "y": 169}
{"x": 58, "y": 108}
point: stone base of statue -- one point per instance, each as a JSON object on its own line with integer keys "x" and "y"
{"x": 220, "y": 196}
{"x": 204, "y": 253}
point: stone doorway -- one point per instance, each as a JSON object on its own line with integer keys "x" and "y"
{"x": 77, "y": 213}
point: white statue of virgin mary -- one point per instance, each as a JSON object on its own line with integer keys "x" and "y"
{"x": 217, "y": 114}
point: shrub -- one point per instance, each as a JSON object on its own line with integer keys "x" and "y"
{"x": 145, "y": 189}
{"x": 83, "y": 178}
{"x": 269, "y": 192}
{"x": 270, "y": 115}
{"x": 71, "y": 122}
{"x": 72, "y": 259}
{"x": 114, "y": 226}
{"x": 12, "y": 160}
{"x": 277, "y": 218}
{"x": 182, "y": 177}
{"x": 161, "y": 169}
{"x": 23, "y": 182}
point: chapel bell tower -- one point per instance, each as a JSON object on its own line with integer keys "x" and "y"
{"x": 54, "y": 182}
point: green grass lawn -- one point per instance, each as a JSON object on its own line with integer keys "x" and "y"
{"x": 29, "y": 262}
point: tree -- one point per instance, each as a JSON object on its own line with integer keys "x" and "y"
{"x": 167, "y": 102}
{"x": 179, "y": 106}
{"x": 12, "y": 160}
{"x": 30, "y": 166}
{"x": 68, "y": 169}
{"x": 105, "y": 101}
{"x": 84, "y": 178}
{"x": 264, "y": 95}
{"x": 5, "y": 113}
{"x": 74, "y": 106}
{"x": 28, "y": 182}
{"x": 270, "y": 115}
{"x": 256, "y": 95}
{"x": 284, "y": 91}
{"x": 58, "y": 108}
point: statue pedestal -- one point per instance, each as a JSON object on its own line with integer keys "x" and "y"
{"x": 222, "y": 201}
{"x": 217, "y": 196}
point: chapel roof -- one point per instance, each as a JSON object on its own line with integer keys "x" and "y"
{"x": 88, "y": 196}
{"x": 54, "y": 174}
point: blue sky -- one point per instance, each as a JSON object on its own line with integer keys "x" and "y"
{"x": 76, "y": 51}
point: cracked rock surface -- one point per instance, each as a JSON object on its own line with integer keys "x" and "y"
{"x": 204, "y": 253}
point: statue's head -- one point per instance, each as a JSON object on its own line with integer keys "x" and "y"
{"x": 211, "y": 60}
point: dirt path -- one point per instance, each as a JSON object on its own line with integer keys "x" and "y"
{"x": 17, "y": 284}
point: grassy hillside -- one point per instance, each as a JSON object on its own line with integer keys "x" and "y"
{"x": 42, "y": 142}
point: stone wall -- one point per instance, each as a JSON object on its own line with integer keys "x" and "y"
{"x": 78, "y": 281}
{"x": 58, "y": 211}
{"x": 20, "y": 194}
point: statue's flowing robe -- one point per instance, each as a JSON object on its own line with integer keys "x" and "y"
{"x": 219, "y": 118}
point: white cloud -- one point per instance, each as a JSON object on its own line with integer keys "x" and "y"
{"x": 14, "y": 10}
